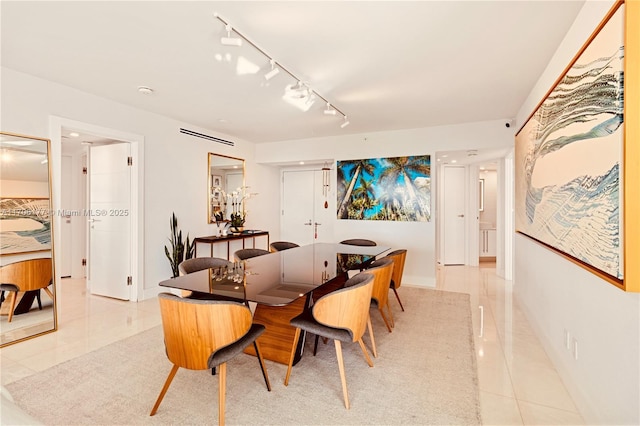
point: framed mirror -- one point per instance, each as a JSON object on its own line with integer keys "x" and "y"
{"x": 27, "y": 272}
{"x": 225, "y": 175}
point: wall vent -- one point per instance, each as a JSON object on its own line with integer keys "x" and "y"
{"x": 203, "y": 136}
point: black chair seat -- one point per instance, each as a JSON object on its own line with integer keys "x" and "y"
{"x": 226, "y": 353}
{"x": 305, "y": 321}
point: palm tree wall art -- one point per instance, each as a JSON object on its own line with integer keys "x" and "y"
{"x": 394, "y": 189}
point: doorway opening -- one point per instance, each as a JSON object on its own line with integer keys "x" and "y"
{"x": 100, "y": 216}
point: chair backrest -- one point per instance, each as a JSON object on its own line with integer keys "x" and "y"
{"x": 282, "y": 245}
{"x": 31, "y": 274}
{"x": 398, "y": 257}
{"x": 381, "y": 270}
{"x": 194, "y": 329}
{"x": 199, "y": 263}
{"x": 348, "y": 307}
{"x": 243, "y": 254}
{"x": 359, "y": 242}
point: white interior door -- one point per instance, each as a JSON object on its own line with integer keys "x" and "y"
{"x": 109, "y": 223}
{"x": 308, "y": 208}
{"x": 453, "y": 203}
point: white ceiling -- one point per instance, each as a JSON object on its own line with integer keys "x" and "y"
{"x": 387, "y": 65}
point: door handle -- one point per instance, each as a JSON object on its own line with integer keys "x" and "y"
{"x": 93, "y": 220}
{"x": 308, "y": 223}
{"x": 460, "y": 215}
{"x": 316, "y": 223}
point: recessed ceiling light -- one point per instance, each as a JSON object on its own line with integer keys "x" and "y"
{"x": 444, "y": 156}
{"x": 454, "y": 161}
{"x": 74, "y": 134}
{"x": 145, "y": 90}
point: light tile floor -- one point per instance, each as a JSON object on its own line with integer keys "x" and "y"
{"x": 518, "y": 383}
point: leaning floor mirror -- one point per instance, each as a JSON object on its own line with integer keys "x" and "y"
{"x": 27, "y": 276}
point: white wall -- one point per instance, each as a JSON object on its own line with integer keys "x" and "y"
{"x": 175, "y": 165}
{"x": 557, "y": 295}
{"x": 417, "y": 237}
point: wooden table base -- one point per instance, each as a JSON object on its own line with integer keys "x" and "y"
{"x": 276, "y": 341}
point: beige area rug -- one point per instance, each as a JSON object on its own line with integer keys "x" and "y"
{"x": 425, "y": 373}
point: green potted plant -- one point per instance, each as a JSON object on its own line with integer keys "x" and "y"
{"x": 179, "y": 250}
{"x": 237, "y": 221}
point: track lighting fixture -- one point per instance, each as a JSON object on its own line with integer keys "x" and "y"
{"x": 228, "y": 40}
{"x": 300, "y": 93}
{"x": 329, "y": 110}
{"x": 274, "y": 71}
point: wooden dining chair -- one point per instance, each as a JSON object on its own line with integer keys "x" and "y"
{"x": 204, "y": 334}
{"x": 244, "y": 254}
{"x": 382, "y": 269}
{"x": 23, "y": 276}
{"x": 359, "y": 242}
{"x": 196, "y": 264}
{"x": 282, "y": 245}
{"x": 341, "y": 315}
{"x": 398, "y": 257}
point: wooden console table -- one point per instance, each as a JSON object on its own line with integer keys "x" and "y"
{"x": 244, "y": 236}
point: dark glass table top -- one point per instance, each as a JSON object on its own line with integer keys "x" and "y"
{"x": 281, "y": 277}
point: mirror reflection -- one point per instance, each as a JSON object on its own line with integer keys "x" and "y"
{"x": 226, "y": 175}
{"x": 27, "y": 306}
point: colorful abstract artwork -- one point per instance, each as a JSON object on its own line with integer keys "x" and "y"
{"x": 25, "y": 225}
{"x": 568, "y": 158}
{"x": 395, "y": 189}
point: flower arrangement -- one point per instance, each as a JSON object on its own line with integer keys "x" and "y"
{"x": 236, "y": 199}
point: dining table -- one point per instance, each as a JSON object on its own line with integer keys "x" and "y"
{"x": 281, "y": 285}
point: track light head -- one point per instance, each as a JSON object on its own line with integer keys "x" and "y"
{"x": 230, "y": 41}
{"x": 345, "y": 123}
{"x": 274, "y": 71}
{"x": 330, "y": 110}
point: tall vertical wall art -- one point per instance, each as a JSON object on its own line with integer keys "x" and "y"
{"x": 395, "y": 189}
{"x": 570, "y": 157}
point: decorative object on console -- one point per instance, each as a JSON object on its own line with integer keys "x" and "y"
{"x": 179, "y": 250}
{"x": 238, "y": 214}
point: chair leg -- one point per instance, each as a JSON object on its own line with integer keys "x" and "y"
{"x": 373, "y": 341}
{"x": 343, "y": 378}
{"x": 263, "y": 367}
{"x": 398, "y": 297}
{"x": 384, "y": 318}
{"x": 393, "y": 322}
{"x": 167, "y": 382}
{"x": 12, "y": 306}
{"x": 46, "y": 289}
{"x": 39, "y": 300}
{"x": 293, "y": 353}
{"x": 222, "y": 380}
{"x": 364, "y": 351}
{"x": 315, "y": 345}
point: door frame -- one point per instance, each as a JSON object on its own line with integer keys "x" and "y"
{"x": 505, "y": 221}
{"x": 56, "y": 124}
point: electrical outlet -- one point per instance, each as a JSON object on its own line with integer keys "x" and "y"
{"x": 575, "y": 349}
{"x": 567, "y": 339}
